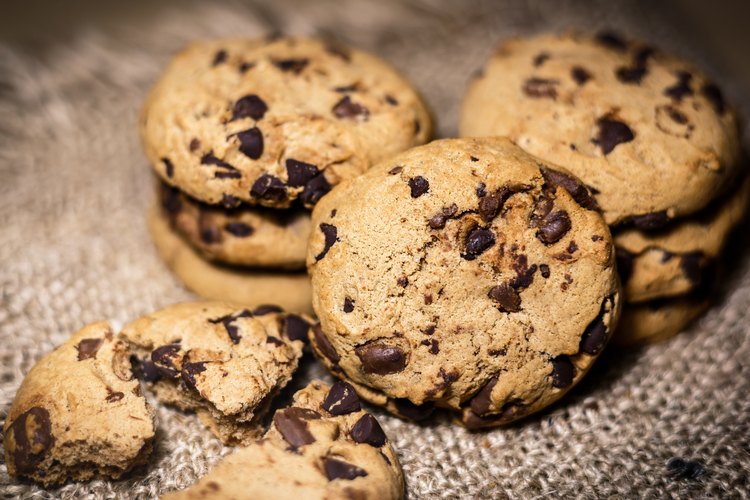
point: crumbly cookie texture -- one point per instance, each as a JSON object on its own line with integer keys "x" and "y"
{"x": 647, "y": 132}
{"x": 658, "y": 320}
{"x": 465, "y": 274}
{"x": 250, "y": 287}
{"x": 220, "y": 360}
{"x": 321, "y": 447}
{"x": 270, "y": 121}
{"x": 79, "y": 413}
{"x": 244, "y": 235}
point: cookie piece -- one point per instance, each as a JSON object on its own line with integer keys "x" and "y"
{"x": 655, "y": 321}
{"x": 322, "y": 446}
{"x": 244, "y": 235}
{"x": 79, "y": 413}
{"x": 464, "y": 274}
{"x": 267, "y": 122}
{"x": 222, "y": 361}
{"x": 250, "y": 287}
{"x": 673, "y": 261}
{"x": 647, "y": 132}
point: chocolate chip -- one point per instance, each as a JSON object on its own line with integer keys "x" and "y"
{"x": 29, "y": 438}
{"x": 481, "y": 402}
{"x": 338, "y": 469}
{"x": 245, "y": 66}
{"x": 580, "y": 75}
{"x": 251, "y": 142}
{"x": 274, "y": 340}
{"x": 419, "y": 186}
{"x": 654, "y": 220}
{"x": 438, "y": 220}
{"x": 540, "y": 88}
{"x": 348, "y": 305}
{"x": 209, "y": 232}
{"x": 228, "y": 322}
{"x": 168, "y": 167}
{"x": 231, "y": 174}
{"x": 346, "y": 108}
{"x": 490, "y": 206}
{"x": 477, "y": 241}
{"x": 144, "y": 369}
{"x": 163, "y": 357}
{"x": 368, "y": 430}
{"x": 692, "y": 265}
{"x": 427, "y": 299}
{"x": 631, "y": 74}
{"x": 481, "y": 190}
{"x": 434, "y": 345}
{"x": 381, "y": 359}
{"x": 544, "y": 268}
{"x": 524, "y": 277}
{"x": 210, "y": 159}
{"x": 113, "y": 397}
{"x": 595, "y": 336}
{"x": 266, "y": 309}
{"x": 341, "y": 399}
{"x": 292, "y": 428}
{"x": 87, "y": 348}
{"x": 402, "y": 281}
{"x": 680, "y": 468}
{"x": 395, "y": 170}
{"x": 572, "y": 247}
{"x": 300, "y": 173}
{"x": 302, "y": 413}
{"x": 189, "y": 371}
{"x": 238, "y": 229}
{"x": 296, "y": 327}
{"x": 563, "y": 371}
{"x": 572, "y": 185}
{"x": 228, "y": 201}
{"x": 612, "y": 133}
{"x": 611, "y": 40}
{"x": 194, "y": 145}
{"x": 681, "y": 88}
{"x": 347, "y": 88}
{"x": 540, "y": 58}
{"x": 170, "y": 199}
{"x": 506, "y": 297}
{"x": 315, "y": 189}
{"x": 409, "y": 410}
{"x": 249, "y": 106}
{"x": 268, "y": 187}
{"x": 324, "y": 345}
{"x": 391, "y": 100}
{"x": 553, "y": 227}
{"x": 429, "y": 330}
{"x": 294, "y": 65}
{"x": 714, "y": 95}
{"x": 674, "y": 114}
{"x": 219, "y": 57}
{"x": 331, "y": 236}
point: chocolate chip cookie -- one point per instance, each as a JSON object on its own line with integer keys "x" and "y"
{"x": 243, "y": 235}
{"x": 649, "y": 134}
{"x": 251, "y": 287}
{"x": 267, "y": 122}
{"x": 79, "y": 413}
{"x": 322, "y": 446}
{"x": 657, "y": 320}
{"x": 224, "y": 362}
{"x": 464, "y": 274}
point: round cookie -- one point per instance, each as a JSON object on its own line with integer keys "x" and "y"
{"x": 322, "y": 447}
{"x": 659, "y": 320}
{"x": 291, "y": 291}
{"x": 647, "y": 132}
{"x": 79, "y": 413}
{"x": 248, "y": 236}
{"x": 270, "y": 121}
{"x": 224, "y": 362}
{"x": 464, "y": 274}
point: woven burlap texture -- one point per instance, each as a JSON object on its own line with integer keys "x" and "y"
{"x": 74, "y": 249}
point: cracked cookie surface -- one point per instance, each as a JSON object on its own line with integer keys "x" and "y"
{"x": 268, "y": 122}
{"x": 464, "y": 274}
{"x": 652, "y": 137}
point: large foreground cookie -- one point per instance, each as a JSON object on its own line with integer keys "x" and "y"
{"x": 463, "y": 273}
{"x": 271, "y": 121}
{"x": 322, "y": 447}
{"x": 647, "y": 132}
{"x": 249, "y": 236}
{"x": 213, "y": 281}
{"x": 658, "y": 320}
{"x": 220, "y": 360}
{"x": 79, "y": 413}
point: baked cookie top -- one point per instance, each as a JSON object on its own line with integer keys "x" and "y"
{"x": 647, "y": 132}
{"x": 463, "y": 268}
{"x": 270, "y": 121}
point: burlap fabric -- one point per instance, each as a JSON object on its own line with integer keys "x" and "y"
{"x": 74, "y": 189}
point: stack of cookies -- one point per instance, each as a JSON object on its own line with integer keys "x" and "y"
{"x": 246, "y": 136}
{"x": 650, "y": 136}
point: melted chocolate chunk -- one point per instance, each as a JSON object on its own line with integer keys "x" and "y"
{"x": 338, "y": 469}
{"x": 296, "y": 327}
{"x": 87, "y": 348}
{"x": 231, "y": 174}
{"x": 553, "y": 227}
{"x": 490, "y": 205}
{"x": 275, "y": 341}
{"x": 300, "y": 173}
{"x": 331, "y": 236}
{"x": 249, "y": 106}
{"x": 438, "y": 220}
{"x": 631, "y": 74}
{"x": 292, "y": 428}
{"x": 506, "y": 297}
{"x": 524, "y": 277}
{"x": 612, "y": 40}
{"x": 573, "y": 186}
{"x": 381, "y": 359}
{"x": 315, "y": 189}
{"x": 324, "y": 345}
{"x": 163, "y": 357}
{"x": 189, "y": 371}
{"x": 268, "y": 187}
{"x": 409, "y": 410}
{"x": 714, "y": 95}
{"x": 228, "y": 201}
{"x": 194, "y": 145}
{"x": 245, "y": 66}
{"x": 612, "y": 133}
{"x": 219, "y": 57}
{"x": 655, "y": 220}
{"x": 418, "y": 186}
{"x": 346, "y": 108}
{"x": 540, "y": 58}
{"x": 264, "y": 309}
{"x": 477, "y": 242}
{"x": 29, "y": 439}
{"x": 292, "y": 65}
{"x": 681, "y": 88}
{"x": 402, "y": 281}
{"x": 210, "y": 159}
{"x": 348, "y": 305}
{"x": 544, "y": 269}
{"x": 341, "y": 399}
{"x": 580, "y": 75}
{"x": 481, "y": 402}
{"x": 540, "y": 88}
{"x": 595, "y": 336}
{"x": 563, "y": 371}
{"x": 168, "y": 167}
{"x": 391, "y": 100}
{"x": 367, "y": 430}
{"x": 251, "y": 142}
{"x": 144, "y": 369}
{"x": 239, "y": 229}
